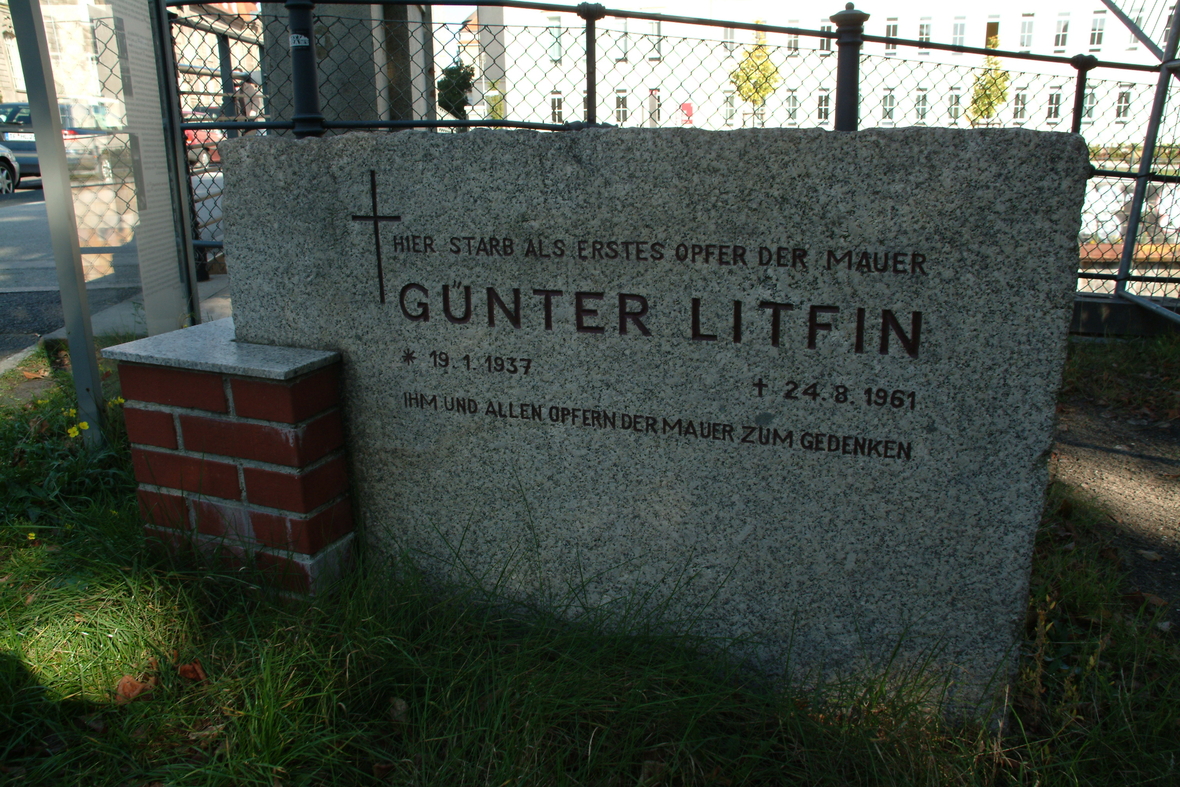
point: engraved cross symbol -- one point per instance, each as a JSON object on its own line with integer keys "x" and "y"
{"x": 376, "y": 218}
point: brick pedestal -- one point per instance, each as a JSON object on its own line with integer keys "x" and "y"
{"x": 239, "y": 451}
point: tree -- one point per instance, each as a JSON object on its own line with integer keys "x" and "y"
{"x": 990, "y": 90}
{"x": 756, "y": 78}
{"x": 457, "y": 81}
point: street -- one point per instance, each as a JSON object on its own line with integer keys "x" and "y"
{"x": 30, "y": 305}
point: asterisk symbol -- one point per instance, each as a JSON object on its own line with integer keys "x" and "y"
{"x": 408, "y": 356}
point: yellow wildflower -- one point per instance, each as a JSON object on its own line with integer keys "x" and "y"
{"x": 72, "y": 431}
{"x": 32, "y": 536}
{"x": 83, "y": 425}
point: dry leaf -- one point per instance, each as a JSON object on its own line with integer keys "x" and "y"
{"x": 1147, "y": 554}
{"x": 37, "y": 375}
{"x": 193, "y": 671}
{"x": 398, "y": 708}
{"x": 1164, "y": 625}
{"x": 129, "y": 688}
{"x": 78, "y": 617}
{"x": 1154, "y": 600}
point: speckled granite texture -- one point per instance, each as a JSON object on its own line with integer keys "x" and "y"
{"x": 869, "y": 471}
{"x": 211, "y": 347}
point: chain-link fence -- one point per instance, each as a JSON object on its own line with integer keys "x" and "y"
{"x": 379, "y": 67}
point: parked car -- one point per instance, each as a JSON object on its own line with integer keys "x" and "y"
{"x": 201, "y": 144}
{"x": 9, "y": 171}
{"x": 93, "y": 133}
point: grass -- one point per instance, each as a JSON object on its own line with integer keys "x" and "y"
{"x": 1140, "y": 376}
{"x": 394, "y": 681}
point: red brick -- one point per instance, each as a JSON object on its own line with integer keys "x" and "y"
{"x": 176, "y": 387}
{"x": 287, "y": 401}
{"x": 191, "y": 474}
{"x": 223, "y": 521}
{"x": 298, "y": 492}
{"x": 150, "y": 427}
{"x": 281, "y": 445}
{"x": 284, "y": 572}
{"x": 306, "y": 535}
{"x": 161, "y": 509}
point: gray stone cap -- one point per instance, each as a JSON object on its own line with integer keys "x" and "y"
{"x": 211, "y": 347}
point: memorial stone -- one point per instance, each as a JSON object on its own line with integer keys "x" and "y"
{"x": 798, "y": 385}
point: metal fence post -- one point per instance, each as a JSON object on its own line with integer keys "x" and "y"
{"x": 59, "y": 208}
{"x": 850, "y": 26}
{"x": 305, "y": 84}
{"x": 591, "y": 12}
{"x": 1146, "y": 165}
{"x": 1083, "y": 63}
{"x": 225, "y": 63}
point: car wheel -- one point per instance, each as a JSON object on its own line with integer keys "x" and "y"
{"x": 204, "y": 158}
{"x": 7, "y": 179}
{"x": 106, "y": 169}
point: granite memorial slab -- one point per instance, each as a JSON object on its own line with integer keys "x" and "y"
{"x": 806, "y": 379}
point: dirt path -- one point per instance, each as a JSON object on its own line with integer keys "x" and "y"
{"x": 1130, "y": 468}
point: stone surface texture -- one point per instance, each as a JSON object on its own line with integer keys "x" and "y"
{"x": 824, "y": 557}
{"x": 211, "y": 347}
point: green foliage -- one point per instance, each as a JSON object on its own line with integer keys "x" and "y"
{"x": 756, "y": 77}
{"x": 456, "y": 82}
{"x": 397, "y": 680}
{"x": 50, "y": 472}
{"x": 990, "y": 90}
{"x": 1138, "y": 375}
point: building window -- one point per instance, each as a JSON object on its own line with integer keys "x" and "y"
{"x": 825, "y": 44}
{"x": 793, "y": 39}
{"x": 924, "y": 32}
{"x": 1168, "y": 26}
{"x": 1137, "y": 17}
{"x": 888, "y": 104}
{"x": 555, "y": 109}
{"x": 729, "y": 41}
{"x": 657, "y": 42}
{"x": 1026, "y": 31}
{"x": 1020, "y": 106}
{"x": 959, "y": 34}
{"x": 891, "y": 32}
{"x": 1096, "y": 28}
{"x": 1062, "y": 36}
{"x": 1054, "y": 106}
{"x": 555, "y": 39}
{"x": 620, "y": 106}
{"x": 758, "y": 116}
{"x": 1088, "y": 101}
{"x": 729, "y": 107}
{"x": 823, "y": 107}
{"x": 992, "y": 31}
{"x": 1122, "y": 105}
{"x": 653, "y": 107}
{"x": 921, "y": 105}
{"x": 792, "y": 107}
{"x": 624, "y": 44}
{"x": 954, "y": 106}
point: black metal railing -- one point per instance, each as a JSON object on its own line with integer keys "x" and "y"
{"x": 318, "y": 73}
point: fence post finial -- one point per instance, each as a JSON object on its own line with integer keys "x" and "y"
{"x": 591, "y": 12}
{"x": 1082, "y": 63}
{"x": 850, "y": 29}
